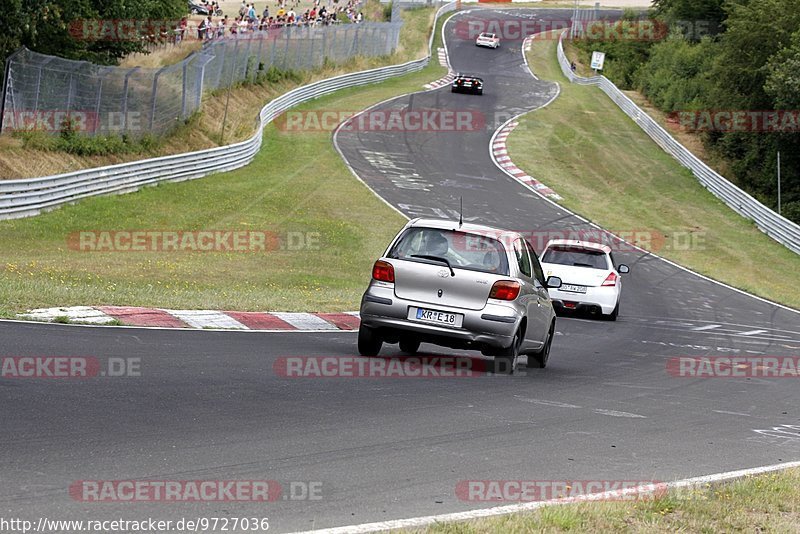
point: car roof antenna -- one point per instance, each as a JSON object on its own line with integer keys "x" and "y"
{"x": 461, "y": 212}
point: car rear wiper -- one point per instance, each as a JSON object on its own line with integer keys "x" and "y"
{"x": 436, "y": 258}
{"x": 582, "y": 265}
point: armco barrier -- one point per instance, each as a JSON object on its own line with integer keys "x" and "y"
{"x": 28, "y": 197}
{"x": 776, "y": 226}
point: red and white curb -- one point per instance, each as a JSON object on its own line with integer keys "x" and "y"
{"x": 500, "y": 154}
{"x": 441, "y": 82}
{"x": 201, "y": 319}
{"x": 442, "y": 55}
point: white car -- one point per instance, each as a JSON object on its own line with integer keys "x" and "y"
{"x": 590, "y": 277}
{"x": 489, "y": 40}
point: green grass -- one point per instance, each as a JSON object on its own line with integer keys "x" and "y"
{"x": 768, "y": 503}
{"x": 608, "y": 170}
{"x": 297, "y": 183}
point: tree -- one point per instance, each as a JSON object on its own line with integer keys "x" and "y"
{"x": 696, "y": 18}
{"x": 47, "y": 26}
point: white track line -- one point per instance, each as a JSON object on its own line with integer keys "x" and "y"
{"x": 417, "y": 522}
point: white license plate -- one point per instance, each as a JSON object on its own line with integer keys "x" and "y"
{"x": 436, "y": 317}
{"x": 573, "y": 288}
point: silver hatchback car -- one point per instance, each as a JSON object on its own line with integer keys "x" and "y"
{"x": 461, "y": 286}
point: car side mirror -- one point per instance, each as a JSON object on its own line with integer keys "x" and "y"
{"x": 554, "y": 282}
{"x": 623, "y": 269}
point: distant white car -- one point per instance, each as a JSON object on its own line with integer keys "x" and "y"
{"x": 590, "y": 277}
{"x": 489, "y": 40}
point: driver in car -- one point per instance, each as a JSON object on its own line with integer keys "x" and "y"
{"x": 436, "y": 244}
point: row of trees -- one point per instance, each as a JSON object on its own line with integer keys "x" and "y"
{"x": 722, "y": 55}
{"x": 54, "y": 26}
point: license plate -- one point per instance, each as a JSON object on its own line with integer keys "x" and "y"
{"x": 573, "y": 288}
{"x": 436, "y": 317}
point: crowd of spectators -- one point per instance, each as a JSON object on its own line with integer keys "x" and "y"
{"x": 249, "y": 21}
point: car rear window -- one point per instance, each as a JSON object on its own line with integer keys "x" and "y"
{"x": 463, "y": 250}
{"x": 575, "y": 256}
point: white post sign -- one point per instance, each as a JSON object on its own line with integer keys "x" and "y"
{"x": 598, "y": 58}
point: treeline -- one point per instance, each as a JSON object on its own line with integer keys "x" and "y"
{"x": 68, "y": 28}
{"x": 720, "y": 67}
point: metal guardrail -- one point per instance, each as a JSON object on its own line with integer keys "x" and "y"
{"x": 29, "y": 197}
{"x": 775, "y": 226}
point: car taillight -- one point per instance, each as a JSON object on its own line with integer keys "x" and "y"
{"x": 504, "y": 290}
{"x": 383, "y": 271}
{"x": 611, "y": 279}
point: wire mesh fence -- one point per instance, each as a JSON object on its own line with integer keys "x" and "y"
{"x": 43, "y": 92}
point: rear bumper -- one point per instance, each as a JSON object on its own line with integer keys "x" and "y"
{"x": 493, "y": 326}
{"x": 470, "y": 90}
{"x": 603, "y": 299}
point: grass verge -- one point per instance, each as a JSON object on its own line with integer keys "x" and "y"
{"x": 608, "y": 170}
{"x": 768, "y": 503}
{"x": 297, "y": 183}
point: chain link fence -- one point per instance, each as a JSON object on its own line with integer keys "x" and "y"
{"x": 41, "y": 91}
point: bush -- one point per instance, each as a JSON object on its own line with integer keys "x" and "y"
{"x": 676, "y": 76}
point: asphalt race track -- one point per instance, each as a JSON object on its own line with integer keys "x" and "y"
{"x": 210, "y": 406}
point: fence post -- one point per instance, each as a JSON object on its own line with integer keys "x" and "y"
{"x": 183, "y": 89}
{"x": 39, "y": 84}
{"x": 334, "y": 33}
{"x": 153, "y": 98}
{"x": 6, "y": 85}
{"x": 70, "y": 93}
{"x": 286, "y": 52}
{"x": 259, "y": 61}
{"x": 99, "y": 99}
{"x": 272, "y": 50}
{"x": 310, "y": 48}
{"x": 125, "y": 98}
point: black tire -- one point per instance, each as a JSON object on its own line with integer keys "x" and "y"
{"x": 538, "y": 360}
{"x": 506, "y": 359}
{"x": 614, "y": 314}
{"x": 480, "y": 91}
{"x": 409, "y": 346}
{"x": 369, "y": 342}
